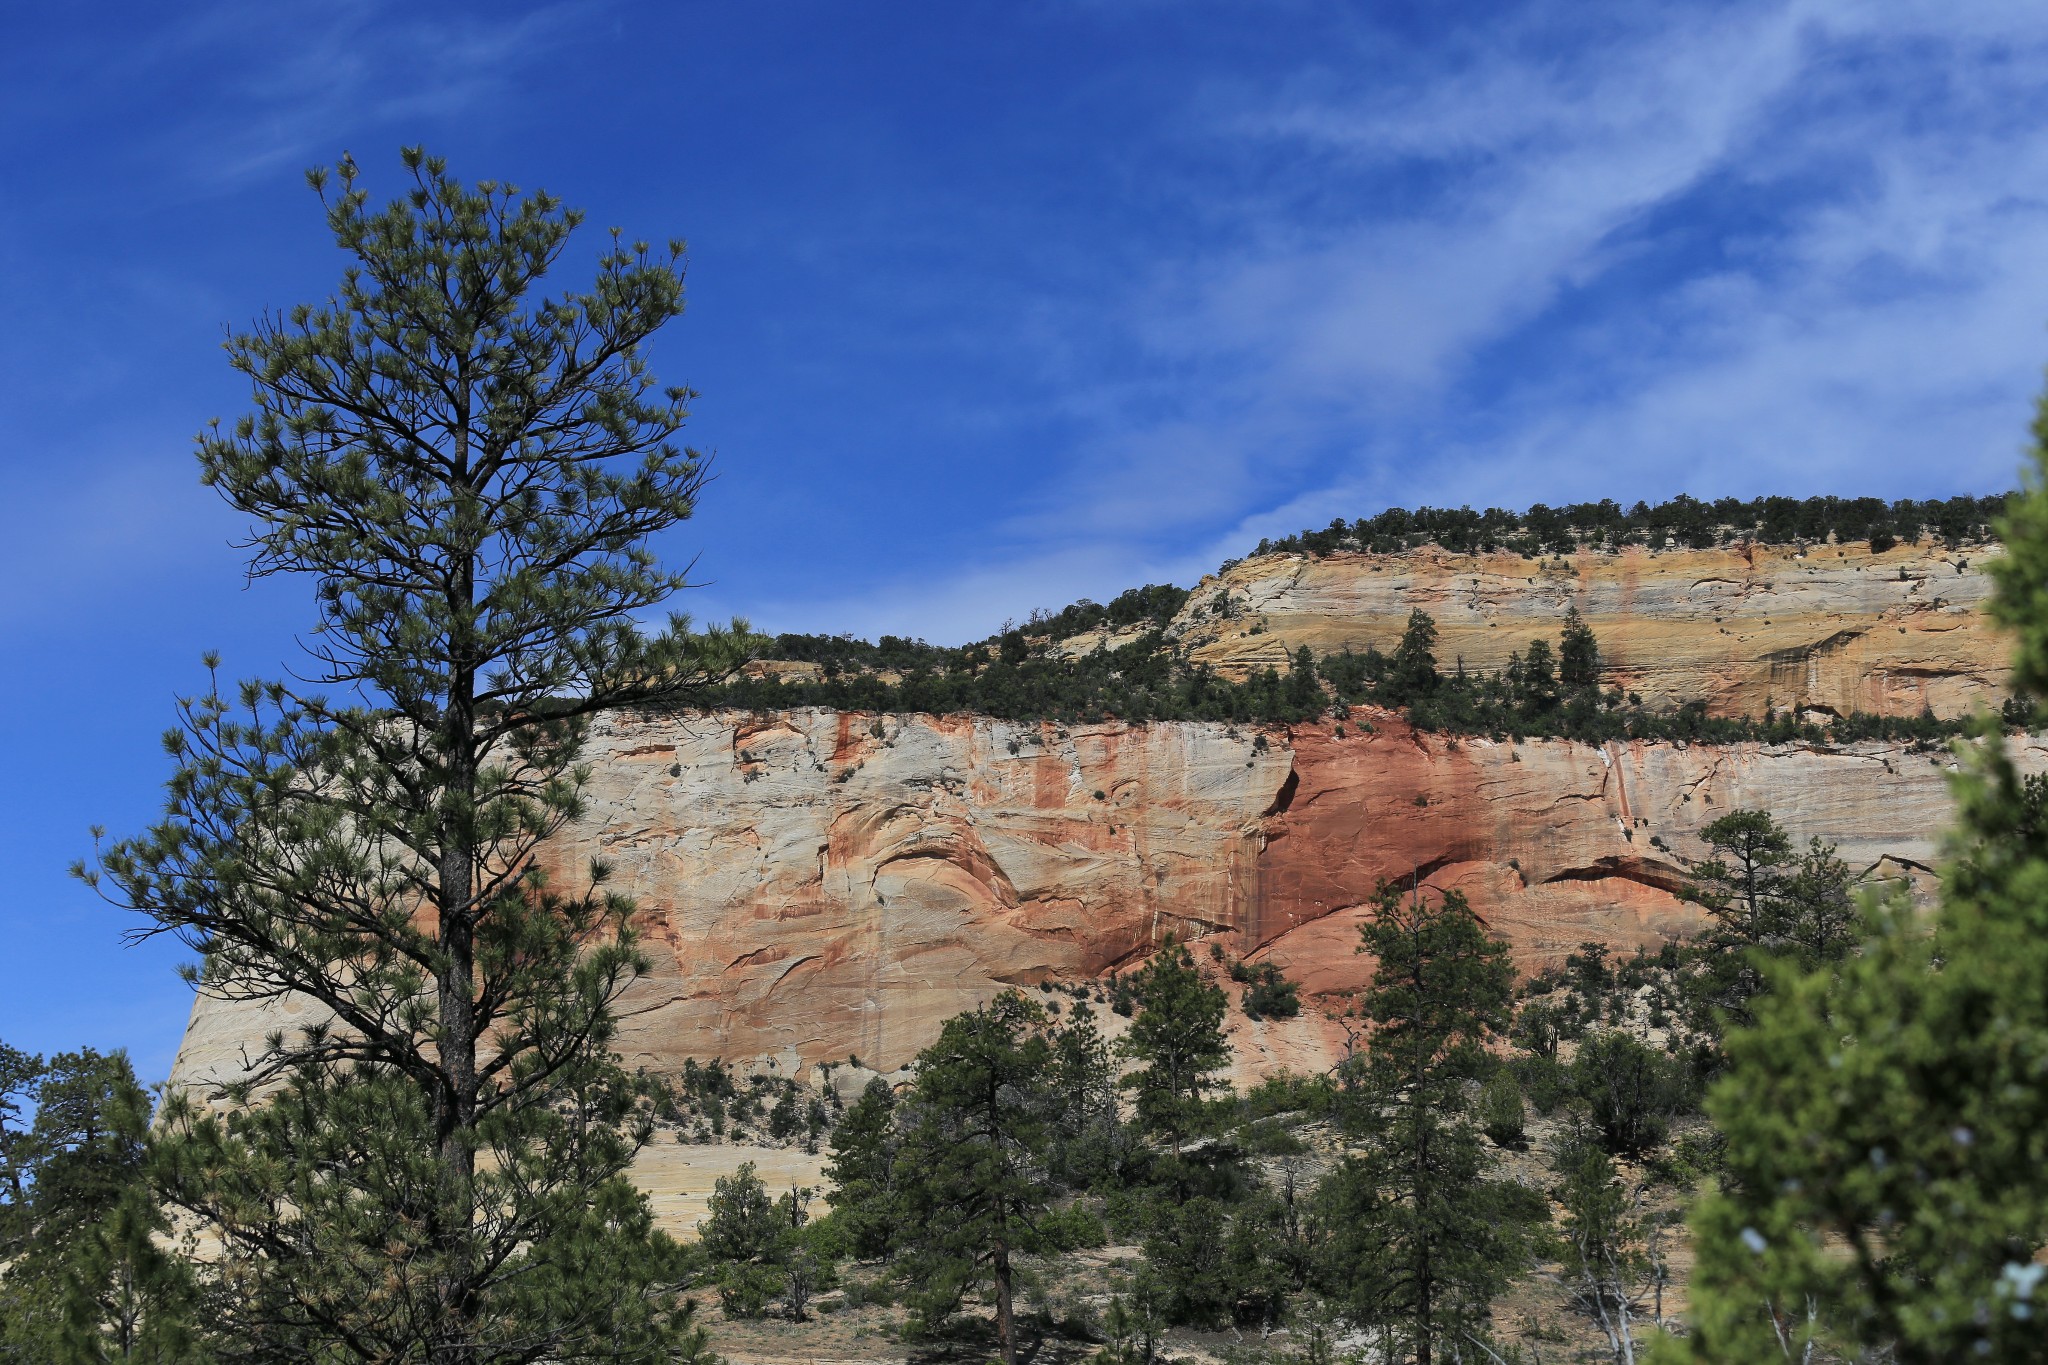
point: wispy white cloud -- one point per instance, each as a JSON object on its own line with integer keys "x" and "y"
{"x": 272, "y": 85}
{"x": 1869, "y": 316}
{"x": 367, "y": 65}
{"x": 1798, "y": 244}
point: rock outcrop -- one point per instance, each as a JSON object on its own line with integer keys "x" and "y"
{"x": 1825, "y": 627}
{"x": 815, "y": 884}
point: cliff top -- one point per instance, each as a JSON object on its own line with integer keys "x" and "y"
{"x": 1742, "y": 639}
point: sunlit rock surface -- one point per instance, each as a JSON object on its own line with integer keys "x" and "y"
{"x": 1834, "y": 628}
{"x": 815, "y": 885}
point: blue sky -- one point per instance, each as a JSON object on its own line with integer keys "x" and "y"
{"x": 994, "y": 306}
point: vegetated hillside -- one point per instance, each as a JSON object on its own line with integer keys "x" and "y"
{"x": 1783, "y": 619}
{"x": 817, "y": 885}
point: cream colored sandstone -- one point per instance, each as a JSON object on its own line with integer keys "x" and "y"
{"x": 1831, "y": 627}
{"x": 810, "y": 889}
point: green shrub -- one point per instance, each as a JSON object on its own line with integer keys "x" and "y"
{"x": 1501, "y": 1114}
{"x": 743, "y": 1224}
{"x": 1271, "y": 1139}
{"x": 1631, "y": 1090}
{"x": 1543, "y": 1080}
{"x": 747, "y": 1289}
{"x": 1123, "y": 1213}
{"x": 1285, "y": 1092}
{"x": 1074, "y": 1227}
{"x": 1268, "y": 994}
{"x": 1185, "y": 1247}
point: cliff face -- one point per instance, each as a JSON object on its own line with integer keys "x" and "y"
{"x": 1834, "y": 628}
{"x": 815, "y": 884}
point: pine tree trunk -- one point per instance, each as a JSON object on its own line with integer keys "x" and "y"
{"x": 1006, "y": 1318}
{"x": 456, "y": 1107}
{"x": 455, "y": 1110}
{"x": 1425, "y": 1299}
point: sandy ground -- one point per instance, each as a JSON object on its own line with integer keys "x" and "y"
{"x": 678, "y": 1177}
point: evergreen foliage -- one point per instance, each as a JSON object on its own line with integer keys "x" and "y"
{"x": 760, "y": 1247}
{"x": 1886, "y": 1194}
{"x": 970, "y": 1178}
{"x": 1768, "y": 901}
{"x": 86, "y": 1274}
{"x": 1631, "y": 1091}
{"x": 708, "y": 1102}
{"x": 1185, "y": 1254}
{"x": 1268, "y": 994}
{"x": 1416, "y": 1242}
{"x": 1177, "y": 1040}
{"x": 1682, "y": 522}
{"x": 864, "y": 1147}
{"x": 1741, "y": 882}
{"x": 1503, "y": 1116}
{"x": 1412, "y": 673}
{"x": 1543, "y": 691}
{"x": 1266, "y": 1256}
{"x": 1090, "y": 1147}
{"x": 1139, "y": 681}
{"x": 469, "y": 473}
{"x": 1578, "y": 654}
{"x": 1555, "y": 693}
{"x": 1610, "y": 1259}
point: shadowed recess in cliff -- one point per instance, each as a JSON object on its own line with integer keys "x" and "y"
{"x": 1650, "y": 872}
{"x": 1284, "y": 798}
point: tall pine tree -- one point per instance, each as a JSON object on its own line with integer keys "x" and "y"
{"x": 1177, "y": 1039}
{"x": 862, "y": 1196}
{"x": 469, "y": 472}
{"x": 1578, "y": 654}
{"x": 1416, "y": 1241}
{"x": 87, "y": 1269}
{"x": 970, "y": 1175}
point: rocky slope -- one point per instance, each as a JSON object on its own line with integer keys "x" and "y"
{"x": 814, "y": 884}
{"x": 1827, "y": 627}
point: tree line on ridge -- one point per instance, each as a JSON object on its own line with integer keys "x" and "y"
{"x": 1545, "y": 690}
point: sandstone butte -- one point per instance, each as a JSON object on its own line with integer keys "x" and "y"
{"x": 814, "y": 885}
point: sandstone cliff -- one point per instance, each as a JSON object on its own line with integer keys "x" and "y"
{"x": 815, "y": 884}
{"x": 1832, "y": 628}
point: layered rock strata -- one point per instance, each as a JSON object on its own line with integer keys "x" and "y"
{"x": 815, "y": 885}
{"x": 1829, "y": 628}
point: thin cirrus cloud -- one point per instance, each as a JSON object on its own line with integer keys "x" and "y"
{"x": 281, "y": 80}
{"x": 1573, "y": 250}
{"x": 122, "y": 501}
{"x": 1788, "y": 247}
{"x": 376, "y": 68}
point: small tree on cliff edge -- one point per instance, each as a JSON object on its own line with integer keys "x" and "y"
{"x": 470, "y": 473}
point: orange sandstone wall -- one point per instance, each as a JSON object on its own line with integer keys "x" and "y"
{"x": 815, "y": 884}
